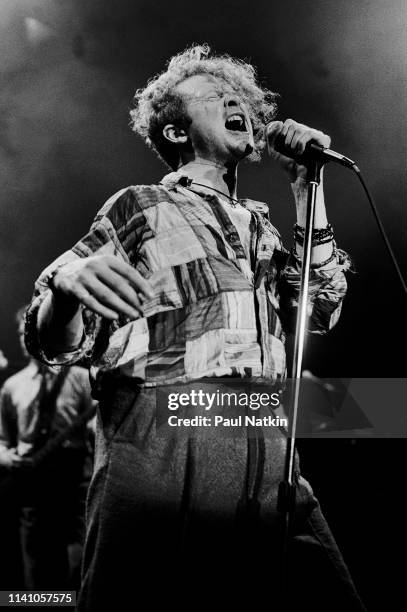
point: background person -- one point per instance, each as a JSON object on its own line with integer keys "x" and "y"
{"x": 44, "y": 463}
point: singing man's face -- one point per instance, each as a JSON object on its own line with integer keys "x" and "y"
{"x": 220, "y": 130}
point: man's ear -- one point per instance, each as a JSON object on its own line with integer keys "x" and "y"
{"x": 175, "y": 134}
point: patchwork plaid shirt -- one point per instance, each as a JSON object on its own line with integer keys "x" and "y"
{"x": 213, "y": 314}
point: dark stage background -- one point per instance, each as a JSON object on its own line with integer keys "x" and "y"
{"x": 68, "y": 70}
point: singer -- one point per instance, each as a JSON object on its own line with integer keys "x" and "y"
{"x": 178, "y": 282}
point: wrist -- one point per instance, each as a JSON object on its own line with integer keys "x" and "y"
{"x": 60, "y": 323}
{"x": 320, "y": 236}
{"x": 63, "y": 305}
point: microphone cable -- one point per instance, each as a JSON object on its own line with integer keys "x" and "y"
{"x": 376, "y": 215}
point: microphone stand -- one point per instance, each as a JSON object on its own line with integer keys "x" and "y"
{"x": 287, "y": 487}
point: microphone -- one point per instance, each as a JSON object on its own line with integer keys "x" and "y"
{"x": 312, "y": 152}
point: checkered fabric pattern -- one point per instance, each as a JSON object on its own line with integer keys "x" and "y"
{"x": 212, "y": 314}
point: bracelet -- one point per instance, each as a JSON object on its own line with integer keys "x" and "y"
{"x": 315, "y": 231}
{"x": 315, "y": 242}
{"x": 319, "y": 236}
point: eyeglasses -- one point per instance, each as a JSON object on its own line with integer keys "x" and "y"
{"x": 210, "y": 97}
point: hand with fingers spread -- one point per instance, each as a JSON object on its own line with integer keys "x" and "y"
{"x": 103, "y": 283}
{"x": 295, "y": 137}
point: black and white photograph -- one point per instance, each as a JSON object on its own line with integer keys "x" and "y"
{"x": 203, "y": 241}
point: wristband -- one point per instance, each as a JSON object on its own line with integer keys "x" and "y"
{"x": 319, "y": 236}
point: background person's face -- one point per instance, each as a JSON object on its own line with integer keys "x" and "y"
{"x": 21, "y": 339}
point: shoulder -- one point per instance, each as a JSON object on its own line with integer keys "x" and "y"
{"x": 12, "y": 384}
{"x": 130, "y": 200}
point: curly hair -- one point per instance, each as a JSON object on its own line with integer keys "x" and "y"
{"x": 158, "y": 104}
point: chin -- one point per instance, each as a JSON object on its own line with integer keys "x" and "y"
{"x": 246, "y": 151}
{"x": 239, "y": 148}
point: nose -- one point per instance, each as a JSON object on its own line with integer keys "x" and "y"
{"x": 232, "y": 100}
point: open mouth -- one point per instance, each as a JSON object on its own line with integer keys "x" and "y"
{"x": 236, "y": 123}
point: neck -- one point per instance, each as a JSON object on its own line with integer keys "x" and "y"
{"x": 213, "y": 175}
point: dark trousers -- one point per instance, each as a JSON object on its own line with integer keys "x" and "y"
{"x": 52, "y": 522}
{"x": 173, "y": 520}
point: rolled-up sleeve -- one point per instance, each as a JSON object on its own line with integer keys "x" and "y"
{"x": 92, "y": 323}
{"x": 108, "y": 235}
{"x": 327, "y": 289}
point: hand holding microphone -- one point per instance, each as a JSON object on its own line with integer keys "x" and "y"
{"x": 294, "y": 145}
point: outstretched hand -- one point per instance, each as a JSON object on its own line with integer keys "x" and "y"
{"x": 105, "y": 284}
{"x": 295, "y": 136}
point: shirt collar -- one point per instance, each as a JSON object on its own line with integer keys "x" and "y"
{"x": 171, "y": 180}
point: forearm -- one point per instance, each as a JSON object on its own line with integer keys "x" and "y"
{"x": 60, "y": 323}
{"x": 321, "y": 252}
